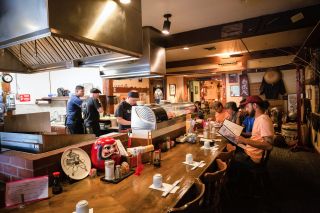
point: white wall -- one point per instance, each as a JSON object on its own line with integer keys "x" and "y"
{"x": 40, "y": 85}
{"x": 178, "y": 81}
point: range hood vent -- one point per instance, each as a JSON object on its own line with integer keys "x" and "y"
{"x": 55, "y": 34}
{"x": 152, "y": 64}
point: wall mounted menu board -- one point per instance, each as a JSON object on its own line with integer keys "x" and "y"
{"x": 32, "y": 189}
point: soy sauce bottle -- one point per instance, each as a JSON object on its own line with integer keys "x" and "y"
{"x": 56, "y": 186}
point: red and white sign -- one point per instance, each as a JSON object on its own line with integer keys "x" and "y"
{"x": 25, "y": 97}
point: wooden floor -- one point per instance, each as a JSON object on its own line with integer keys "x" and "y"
{"x": 295, "y": 186}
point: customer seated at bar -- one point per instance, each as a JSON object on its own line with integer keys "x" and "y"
{"x": 245, "y": 120}
{"x": 262, "y": 134}
{"x": 198, "y": 110}
{"x": 220, "y": 113}
{"x": 232, "y": 110}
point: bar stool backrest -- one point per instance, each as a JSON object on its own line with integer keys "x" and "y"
{"x": 197, "y": 190}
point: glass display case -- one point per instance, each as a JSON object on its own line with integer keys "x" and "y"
{"x": 178, "y": 109}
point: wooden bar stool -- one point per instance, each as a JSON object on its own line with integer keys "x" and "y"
{"x": 193, "y": 200}
{"x": 214, "y": 183}
{"x": 227, "y": 156}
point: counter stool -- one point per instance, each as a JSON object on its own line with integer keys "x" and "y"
{"x": 214, "y": 182}
{"x": 260, "y": 172}
{"x": 227, "y": 157}
{"x": 193, "y": 200}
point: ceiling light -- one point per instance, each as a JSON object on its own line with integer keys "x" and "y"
{"x": 166, "y": 24}
{"x": 125, "y": 1}
{"x": 186, "y": 48}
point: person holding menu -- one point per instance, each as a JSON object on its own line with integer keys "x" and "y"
{"x": 262, "y": 133}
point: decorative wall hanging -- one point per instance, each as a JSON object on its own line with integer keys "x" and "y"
{"x": 234, "y": 91}
{"x": 172, "y": 89}
{"x": 244, "y": 85}
{"x": 233, "y": 78}
{"x": 272, "y": 84}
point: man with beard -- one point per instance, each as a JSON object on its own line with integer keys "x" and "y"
{"x": 245, "y": 120}
{"x": 262, "y": 134}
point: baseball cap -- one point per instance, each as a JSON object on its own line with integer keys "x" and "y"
{"x": 133, "y": 94}
{"x": 253, "y": 99}
{"x": 95, "y": 90}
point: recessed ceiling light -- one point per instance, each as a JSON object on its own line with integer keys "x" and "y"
{"x": 125, "y": 1}
{"x": 186, "y": 48}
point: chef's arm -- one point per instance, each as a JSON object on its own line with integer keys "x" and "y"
{"x": 122, "y": 121}
{"x": 100, "y": 110}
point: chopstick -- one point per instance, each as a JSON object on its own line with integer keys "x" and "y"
{"x": 196, "y": 166}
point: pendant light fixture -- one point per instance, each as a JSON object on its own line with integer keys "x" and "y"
{"x": 166, "y": 24}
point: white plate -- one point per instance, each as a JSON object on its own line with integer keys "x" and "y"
{"x": 76, "y": 163}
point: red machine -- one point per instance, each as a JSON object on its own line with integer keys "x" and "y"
{"x": 104, "y": 149}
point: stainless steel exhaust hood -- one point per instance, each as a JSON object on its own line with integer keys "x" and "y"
{"x": 152, "y": 63}
{"x": 38, "y": 35}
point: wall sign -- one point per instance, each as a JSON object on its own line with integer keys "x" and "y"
{"x": 24, "y": 97}
{"x": 244, "y": 85}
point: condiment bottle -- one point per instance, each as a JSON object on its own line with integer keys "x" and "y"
{"x": 56, "y": 186}
{"x": 156, "y": 158}
{"x": 109, "y": 169}
{"x": 118, "y": 172}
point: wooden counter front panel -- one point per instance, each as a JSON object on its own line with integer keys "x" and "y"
{"x": 132, "y": 194}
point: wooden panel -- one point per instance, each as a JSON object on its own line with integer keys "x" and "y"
{"x": 33, "y": 122}
{"x": 132, "y": 194}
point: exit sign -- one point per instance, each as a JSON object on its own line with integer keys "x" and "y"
{"x": 24, "y": 97}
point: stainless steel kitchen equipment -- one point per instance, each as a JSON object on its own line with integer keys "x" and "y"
{"x": 160, "y": 120}
{"x": 37, "y": 143}
{"x": 151, "y": 64}
{"x": 43, "y": 35}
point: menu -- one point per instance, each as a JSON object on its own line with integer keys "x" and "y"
{"x": 32, "y": 189}
{"x": 230, "y": 130}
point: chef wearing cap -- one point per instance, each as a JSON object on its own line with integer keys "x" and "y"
{"x": 123, "y": 112}
{"x": 91, "y": 110}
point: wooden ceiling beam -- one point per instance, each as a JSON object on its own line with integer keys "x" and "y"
{"x": 266, "y": 24}
{"x": 246, "y": 56}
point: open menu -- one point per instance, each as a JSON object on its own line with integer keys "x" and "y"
{"x": 230, "y": 130}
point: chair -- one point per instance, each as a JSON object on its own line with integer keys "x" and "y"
{"x": 260, "y": 171}
{"x": 196, "y": 194}
{"x": 214, "y": 182}
{"x": 228, "y": 155}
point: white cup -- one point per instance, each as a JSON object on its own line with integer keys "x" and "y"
{"x": 82, "y": 207}
{"x": 189, "y": 158}
{"x": 207, "y": 144}
{"x": 157, "y": 180}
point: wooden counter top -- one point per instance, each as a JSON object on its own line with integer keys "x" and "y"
{"x": 132, "y": 194}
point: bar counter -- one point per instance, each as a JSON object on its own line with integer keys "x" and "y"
{"x": 133, "y": 193}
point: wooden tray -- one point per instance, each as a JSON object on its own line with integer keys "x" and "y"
{"x": 115, "y": 181}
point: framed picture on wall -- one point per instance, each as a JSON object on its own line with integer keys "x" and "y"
{"x": 233, "y": 78}
{"x": 234, "y": 91}
{"x": 172, "y": 89}
{"x": 292, "y": 103}
{"x": 196, "y": 90}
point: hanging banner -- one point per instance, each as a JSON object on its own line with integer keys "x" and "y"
{"x": 244, "y": 85}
